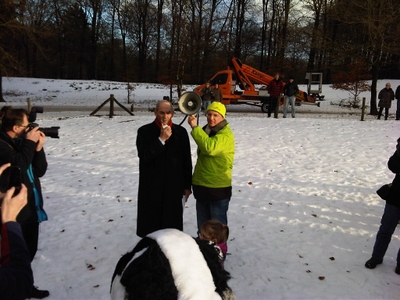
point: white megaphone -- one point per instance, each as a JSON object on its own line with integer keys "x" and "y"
{"x": 189, "y": 103}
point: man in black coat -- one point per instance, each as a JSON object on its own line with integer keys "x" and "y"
{"x": 390, "y": 218}
{"x": 16, "y": 278}
{"x": 22, "y": 146}
{"x": 165, "y": 172}
{"x": 397, "y": 95}
{"x": 385, "y": 96}
{"x": 290, "y": 89}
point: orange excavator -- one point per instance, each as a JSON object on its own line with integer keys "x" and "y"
{"x": 238, "y": 86}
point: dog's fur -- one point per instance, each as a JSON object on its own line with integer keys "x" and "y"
{"x": 146, "y": 273}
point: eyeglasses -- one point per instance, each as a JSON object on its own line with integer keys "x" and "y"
{"x": 23, "y": 126}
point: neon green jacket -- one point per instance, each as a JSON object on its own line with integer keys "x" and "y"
{"x": 215, "y": 158}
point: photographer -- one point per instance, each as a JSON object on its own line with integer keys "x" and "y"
{"x": 16, "y": 278}
{"x": 22, "y": 146}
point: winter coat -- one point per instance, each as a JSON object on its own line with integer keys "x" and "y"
{"x": 217, "y": 94}
{"x": 215, "y": 157}
{"x": 394, "y": 166}
{"x": 398, "y": 93}
{"x": 207, "y": 94}
{"x": 22, "y": 153}
{"x": 16, "y": 278}
{"x": 275, "y": 88}
{"x": 385, "y": 97}
{"x": 165, "y": 171}
{"x": 290, "y": 89}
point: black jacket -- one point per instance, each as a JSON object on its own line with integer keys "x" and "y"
{"x": 394, "y": 166}
{"x": 22, "y": 153}
{"x": 290, "y": 89}
{"x": 16, "y": 278}
{"x": 398, "y": 93}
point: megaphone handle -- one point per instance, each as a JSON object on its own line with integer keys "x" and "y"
{"x": 183, "y": 120}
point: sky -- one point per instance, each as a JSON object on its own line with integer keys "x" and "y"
{"x": 303, "y": 215}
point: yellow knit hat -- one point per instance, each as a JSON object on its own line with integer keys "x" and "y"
{"x": 218, "y": 107}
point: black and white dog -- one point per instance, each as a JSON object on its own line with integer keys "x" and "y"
{"x": 169, "y": 265}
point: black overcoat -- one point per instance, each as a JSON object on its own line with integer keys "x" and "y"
{"x": 164, "y": 172}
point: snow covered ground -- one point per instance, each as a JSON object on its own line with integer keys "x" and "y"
{"x": 303, "y": 216}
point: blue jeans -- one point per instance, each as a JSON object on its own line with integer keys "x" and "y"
{"x": 390, "y": 218}
{"x": 206, "y": 103}
{"x": 292, "y": 101}
{"x": 212, "y": 210}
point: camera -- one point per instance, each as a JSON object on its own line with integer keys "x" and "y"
{"x": 48, "y": 131}
{"x": 11, "y": 177}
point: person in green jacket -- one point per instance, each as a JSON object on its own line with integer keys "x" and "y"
{"x": 212, "y": 177}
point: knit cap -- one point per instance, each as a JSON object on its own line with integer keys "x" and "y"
{"x": 218, "y": 107}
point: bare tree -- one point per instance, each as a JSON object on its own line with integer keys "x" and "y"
{"x": 316, "y": 7}
{"x": 377, "y": 24}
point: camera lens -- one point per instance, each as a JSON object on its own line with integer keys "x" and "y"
{"x": 51, "y": 132}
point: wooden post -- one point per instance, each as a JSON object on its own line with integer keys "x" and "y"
{"x": 362, "y": 109}
{"x": 111, "y": 100}
{"x": 28, "y": 102}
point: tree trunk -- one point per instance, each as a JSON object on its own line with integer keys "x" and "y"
{"x": 1, "y": 88}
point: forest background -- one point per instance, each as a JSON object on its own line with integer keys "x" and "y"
{"x": 177, "y": 42}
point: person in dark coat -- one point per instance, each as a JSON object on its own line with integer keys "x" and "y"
{"x": 290, "y": 89}
{"x": 165, "y": 172}
{"x": 206, "y": 96}
{"x": 217, "y": 93}
{"x": 390, "y": 218}
{"x": 385, "y": 96}
{"x": 275, "y": 90}
{"x": 16, "y": 278}
{"x": 398, "y": 103}
{"x": 22, "y": 146}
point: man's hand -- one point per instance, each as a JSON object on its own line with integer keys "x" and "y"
{"x": 41, "y": 141}
{"x": 165, "y": 132}
{"x": 3, "y": 167}
{"x": 192, "y": 120}
{"x": 34, "y": 134}
{"x": 187, "y": 193}
{"x": 11, "y": 206}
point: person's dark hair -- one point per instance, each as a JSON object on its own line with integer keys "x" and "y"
{"x": 3, "y": 110}
{"x": 12, "y": 116}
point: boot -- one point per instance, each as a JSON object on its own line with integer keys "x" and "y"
{"x": 38, "y": 294}
{"x": 373, "y": 262}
